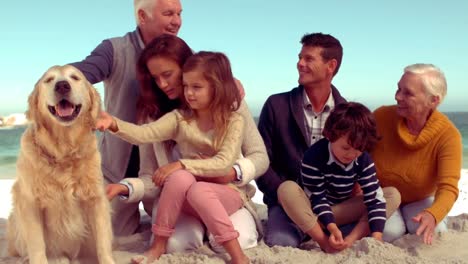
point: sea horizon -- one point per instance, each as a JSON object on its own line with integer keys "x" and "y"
{"x": 10, "y": 143}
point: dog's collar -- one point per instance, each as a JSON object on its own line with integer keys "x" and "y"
{"x": 53, "y": 160}
{"x": 44, "y": 153}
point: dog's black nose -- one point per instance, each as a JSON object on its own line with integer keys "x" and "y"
{"x": 62, "y": 87}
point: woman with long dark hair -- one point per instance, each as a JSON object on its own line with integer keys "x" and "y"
{"x": 159, "y": 72}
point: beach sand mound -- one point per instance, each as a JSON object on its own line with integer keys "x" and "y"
{"x": 449, "y": 247}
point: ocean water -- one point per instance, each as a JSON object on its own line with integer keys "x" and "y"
{"x": 9, "y": 148}
{"x": 10, "y": 143}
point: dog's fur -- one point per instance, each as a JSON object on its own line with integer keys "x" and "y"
{"x": 60, "y": 210}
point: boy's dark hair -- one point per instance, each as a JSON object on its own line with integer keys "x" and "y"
{"x": 356, "y": 121}
{"x": 332, "y": 48}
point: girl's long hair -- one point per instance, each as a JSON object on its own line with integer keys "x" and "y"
{"x": 216, "y": 69}
{"x": 152, "y": 102}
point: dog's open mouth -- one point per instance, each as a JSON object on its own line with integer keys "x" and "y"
{"x": 65, "y": 110}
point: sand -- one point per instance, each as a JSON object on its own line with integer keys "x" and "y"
{"x": 448, "y": 247}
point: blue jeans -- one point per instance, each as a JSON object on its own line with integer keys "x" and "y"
{"x": 281, "y": 230}
{"x": 400, "y": 222}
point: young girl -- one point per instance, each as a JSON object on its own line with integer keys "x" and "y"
{"x": 208, "y": 127}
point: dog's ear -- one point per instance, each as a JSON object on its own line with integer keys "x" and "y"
{"x": 31, "y": 113}
{"x": 95, "y": 108}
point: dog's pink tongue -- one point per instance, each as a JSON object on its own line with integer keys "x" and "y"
{"x": 64, "y": 110}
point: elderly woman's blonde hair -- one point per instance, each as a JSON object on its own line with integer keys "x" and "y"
{"x": 145, "y": 5}
{"x": 432, "y": 77}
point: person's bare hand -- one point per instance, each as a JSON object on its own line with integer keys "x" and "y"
{"x": 427, "y": 224}
{"x": 114, "y": 189}
{"x": 337, "y": 242}
{"x": 336, "y": 237}
{"x": 162, "y": 172}
{"x": 377, "y": 236}
{"x": 105, "y": 121}
{"x": 326, "y": 247}
{"x": 356, "y": 190}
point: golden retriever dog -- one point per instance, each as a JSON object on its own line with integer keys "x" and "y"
{"x": 60, "y": 211}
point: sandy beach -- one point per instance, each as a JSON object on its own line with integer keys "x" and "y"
{"x": 449, "y": 247}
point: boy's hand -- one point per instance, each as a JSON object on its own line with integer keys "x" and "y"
{"x": 114, "y": 189}
{"x": 377, "y": 236}
{"x": 336, "y": 237}
{"x": 162, "y": 172}
{"x": 356, "y": 190}
{"x": 337, "y": 241}
{"x": 327, "y": 248}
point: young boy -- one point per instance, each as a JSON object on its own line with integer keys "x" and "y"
{"x": 330, "y": 170}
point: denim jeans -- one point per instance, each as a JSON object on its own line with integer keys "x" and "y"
{"x": 281, "y": 230}
{"x": 401, "y": 221}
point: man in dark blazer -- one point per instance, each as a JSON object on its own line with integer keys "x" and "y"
{"x": 291, "y": 122}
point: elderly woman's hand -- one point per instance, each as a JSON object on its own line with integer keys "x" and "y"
{"x": 427, "y": 224}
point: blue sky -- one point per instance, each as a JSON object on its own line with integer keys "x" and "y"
{"x": 261, "y": 38}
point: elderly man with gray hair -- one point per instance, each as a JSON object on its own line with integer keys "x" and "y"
{"x": 114, "y": 62}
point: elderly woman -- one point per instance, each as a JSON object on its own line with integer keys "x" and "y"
{"x": 420, "y": 154}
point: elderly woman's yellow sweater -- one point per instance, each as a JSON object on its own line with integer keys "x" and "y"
{"x": 419, "y": 166}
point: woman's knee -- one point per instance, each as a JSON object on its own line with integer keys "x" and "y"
{"x": 393, "y": 233}
{"x": 394, "y": 227}
{"x": 188, "y": 234}
{"x": 185, "y": 241}
{"x": 244, "y": 223}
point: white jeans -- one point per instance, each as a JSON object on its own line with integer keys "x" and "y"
{"x": 244, "y": 223}
{"x": 190, "y": 231}
{"x": 400, "y": 222}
